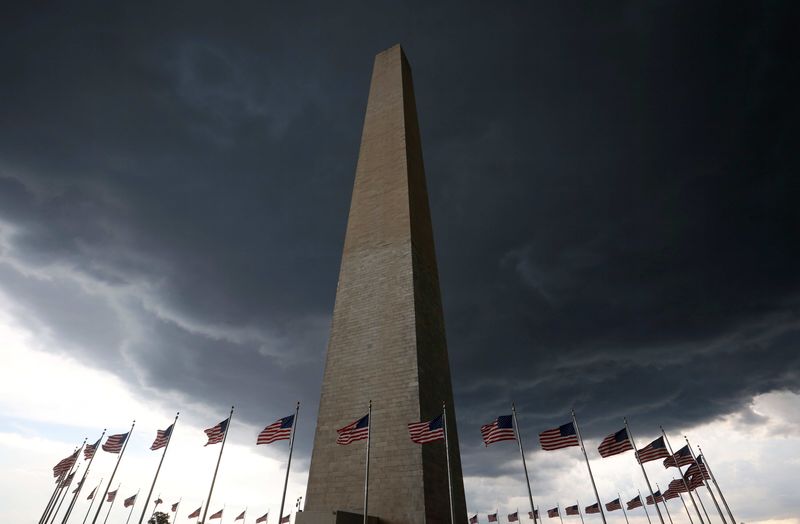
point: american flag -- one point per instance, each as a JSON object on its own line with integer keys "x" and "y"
{"x": 64, "y": 465}
{"x": 513, "y": 517}
{"x": 285, "y": 518}
{"x": 694, "y": 480}
{"x": 530, "y": 514}
{"x": 281, "y": 429}
{"x": 677, "y": 486}
{"x": 563, "y": 436}
{"x": 68, "y": 480}
{"x": 130, "y": 501}
{"x": 240, "y": 517}
{"x": 111, "y": 495}
{"x": 658, "y": 498}
{"x": 162, "y": 437}
{"x": 158, "y": 501}
{"x": 635, "y": 502}
{"x": 669, "y": 494}
{"x": 653, "y": 451}
{"x": 552, "y": 513}
{"x": 492, "y": 517}
{"x": 217, "y": 515}
{"x": 594, "y": 508}
{"x": 358, "y": 430}
{"x": 473, "y": 519}
{"x": 194, "y": 514}
{"x": 615, "y": 443}
{"x": 217, "y": 433}
{"x": 683, "y": 457}
{"x": 91, "y": 495}
{"x": 424, "y": 432}
{"x": 572, "y": 510}
{"x": 501, "y": 429}
{"x": 262, "y": 518}
{"x": 614, "y": 505}
{"x": 90, "y": 449}
{"x": 698, "y": 469}
{"x": 175, "y": 507}
{"x": 114, "y": 443}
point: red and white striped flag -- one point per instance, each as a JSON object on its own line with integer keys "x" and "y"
{"x": 114, "y": 443}
{"x": 240, "y": 517}
{"x": 175, "y": 507}
{"x": 615, "y": 443}
{"x": 592, "y": 509}
{"x": 217, "y": 433}
{"x": 162, "y": 437}
{"x": 635, "y": 502}
{"x": 262, "y": 518}
{"x": 130, "y": 501}
{"x": 358, "y": 430}
{"x": 653, "y": 451}
{"x": 285, "y": 518}
{"x": 513, "y": 517}
{"x": 91, "y": 495}
{"x": 90, "y": 449}
{"x": 572, "y": 510}
{"x": 492, "y": 517}
{"x": 281, "y": 429}
{"x": 194, "y": 514}
{"x": 65, "y": 464}
{"x": 111, "y": 495}
{"x": 217, "y": 515}
{"x": 424, "y": 432}
{"x": 501, "y": 429}
{"x": 563, "y": 436}
{"x": 552, "y": 513}
{"x": 614, "y": 505}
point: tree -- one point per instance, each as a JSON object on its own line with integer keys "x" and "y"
{"x": 159, "y": 518}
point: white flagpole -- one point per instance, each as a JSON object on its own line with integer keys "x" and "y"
{"x": 688, "y": 513}
{"x": 122, "y": 452}
{"x": 66, "y": 492}
{"x": 214, "y": 478}
{"x": 524, "y": 465}
{"x": 289, "y": 464}
{"x": 88, "y": 511}
{"x": 177, "y": 507}
{"x": 155, "y": 477}
{"x": 636, "y": 456}
{"x": 583, "y": 448}
{"x": 664, "y": 501}
{"x": 622, "y": 506}
{"x": 558, "y": 507}
{"x": 447, "y": 453}
{"x": 366, "y": 472}
{"x": 644, "y": 505}
{"x": 80, "y": 486}
{"x": 714, "y": 480}
{"x": 113, "y": 501}
{"x": 133, "y": 506}
{"x": 685, "y": 485}
{"x": 580, "y": 513}
{"x": 705, "y": 483}
{"x": 59, "y": 486}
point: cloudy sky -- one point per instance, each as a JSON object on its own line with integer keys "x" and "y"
{"x": 614, "y": 195}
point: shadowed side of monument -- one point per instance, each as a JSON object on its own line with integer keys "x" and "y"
{"x": 387, "y": 341}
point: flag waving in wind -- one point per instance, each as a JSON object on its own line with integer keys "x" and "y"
{"x": 90, "y": 449}
{"x": 552, "y": 513}
{"x": 635, "y": 502}
{"x": 653, "y": 451}
{"x": 175, "y": 507}
{"x": 615, "y": 443}
{"x": 572, "y": 510}
{"x": 194, "y": 514}
{"x": 162, "y": 436}
{"x": 281, "y": 429}
{"x": 64, "y": 465}
{"x": 91, "y": 495}
{"x": 358, "y": 430}
{"x": 114, "y": 443}
{"x": 111, "y": 495}
{"x": 217, "y": 433}
{"x": 240, "y": 517}
{"x": 501, "y": 429}
{"x": 217, "y": 515}
{"x": 473, "y": 519}
{"x": 513, "y": 517}
{"x": 594, "y": 508}
{"x": 614, "y": 505}
{"x": 262, "y": 518}
{"x": 424, "y": 432}
{"x": 130, "y": 501}
{"x": 682, "y": 457}
{"x": 563, "y": 436}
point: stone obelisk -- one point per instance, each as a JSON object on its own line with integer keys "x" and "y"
{"x": 387, "y": 341}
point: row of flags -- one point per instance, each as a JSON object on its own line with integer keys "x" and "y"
{"x": 568, "y": 435}
{"x": 503, "y": 428}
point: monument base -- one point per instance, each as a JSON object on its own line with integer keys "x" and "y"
{"x": 333, "y": 517}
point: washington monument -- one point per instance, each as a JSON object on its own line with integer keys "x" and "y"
{"x": 387, "y": 341}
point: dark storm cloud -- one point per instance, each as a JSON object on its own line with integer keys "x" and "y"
{"x": 613, "y": 193}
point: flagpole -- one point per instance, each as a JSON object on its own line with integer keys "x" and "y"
{"x": 198, "y": 514}
{"x": 133, "y": 506}
{"x": 636, "y": 455}
{"x": 714, "y": 480}
{"x": 622, "y": 507}
{"x": 579, "y": 510}
{"x": 155, "y": 477}
{"x": 80, "y": 486}
{"x": 524, "y": 465}
{"x": 366, "y": 473}
{"x": 113, "y": 501}
{"x": 447, "y": 453}
{"x": 156, "y": 503}
{"x": 60, "y": 484}
{"x": 66, "y": 492}
{"x": 705, "y": 482}
{"x": 644, "y": 505}
{"x": 583, "y": 448}
{"x": 289, "y": 463}
{"x": 52, "y": 498}
{"x": 122, "y": 452}
{"x": 558, "y": 507}
{"x": 93, "y": 497}
{"x": 688, "y": 513}
{"x": 177, "y": 507}
{"x": 685, "y": 485}
{"x": 664, "y": 501}
{"x": 214, "y": 479}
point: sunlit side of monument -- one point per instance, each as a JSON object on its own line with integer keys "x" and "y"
{"x": 387, "y": 341}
